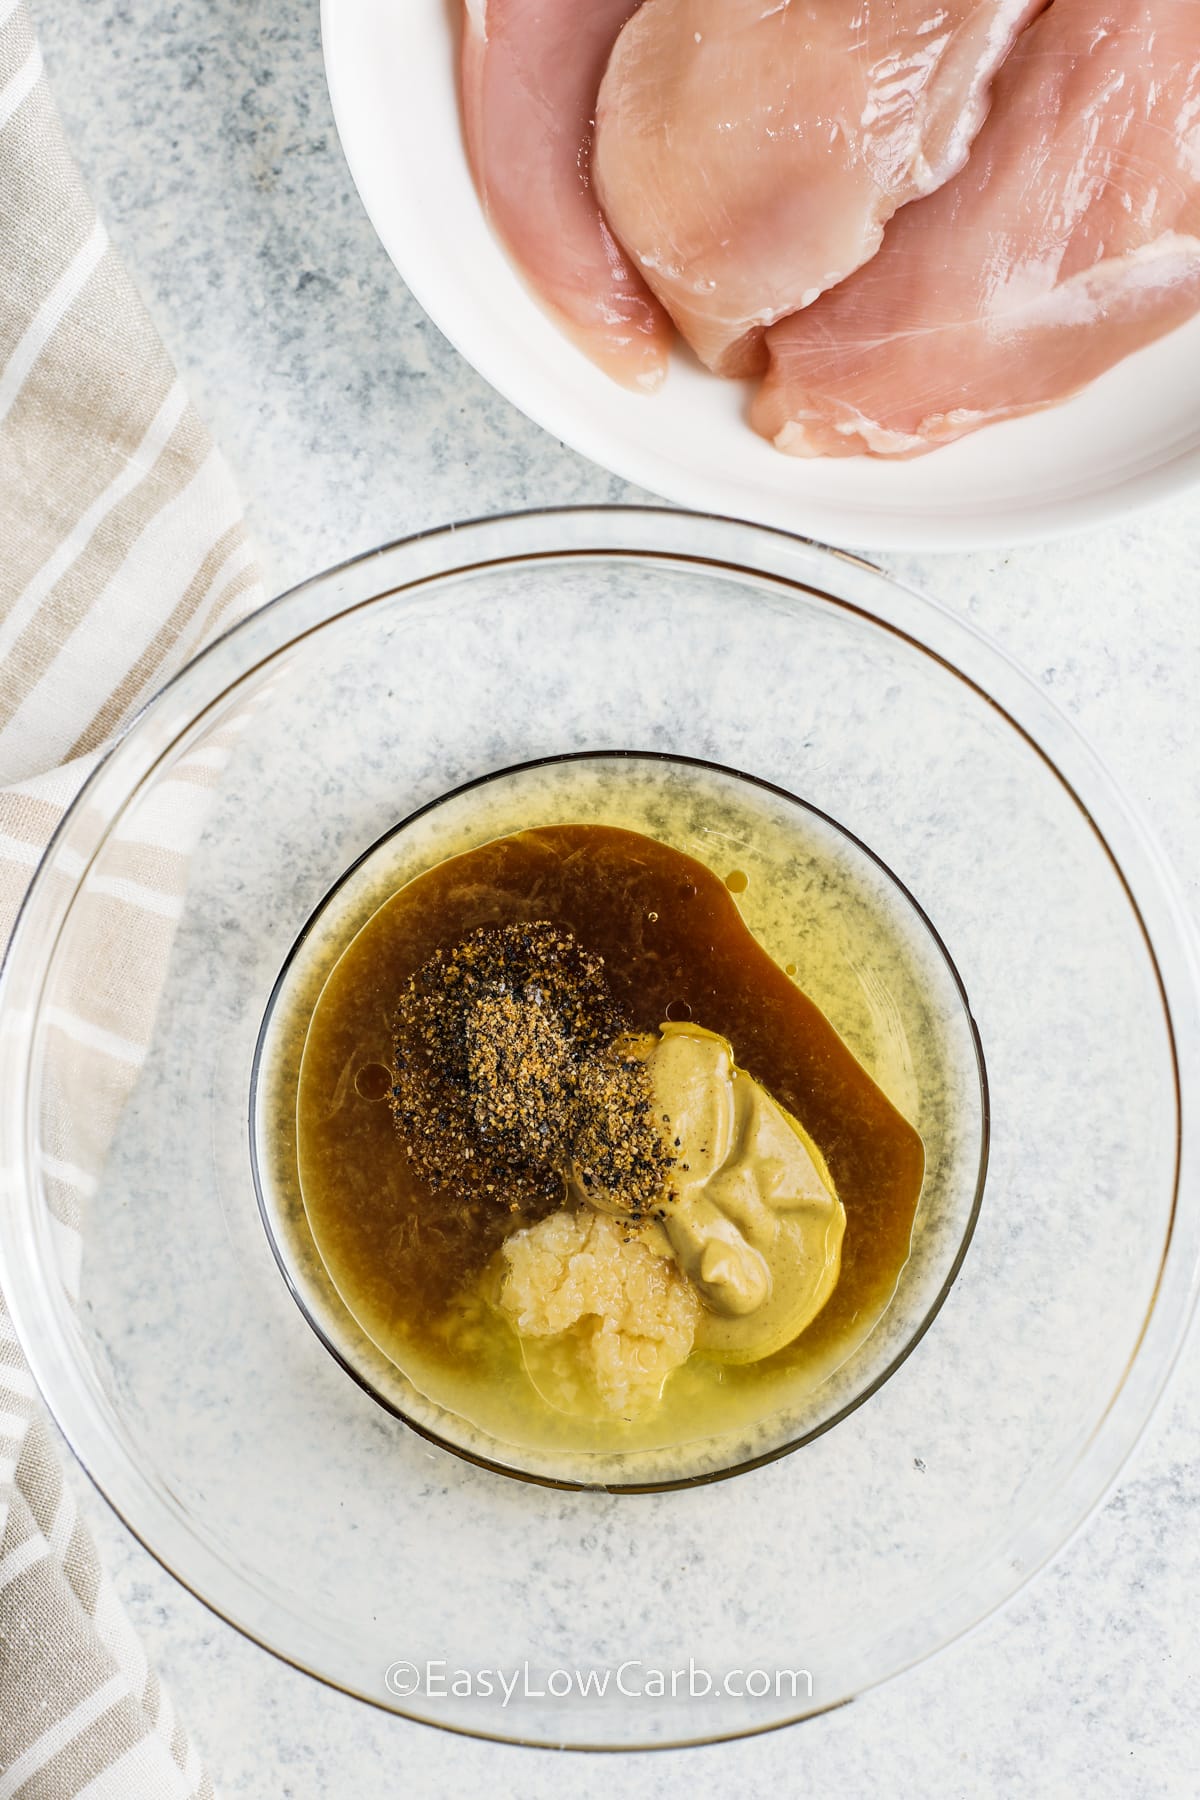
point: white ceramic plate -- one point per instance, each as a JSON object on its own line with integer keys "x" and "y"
{"x": 1132, "y": 438}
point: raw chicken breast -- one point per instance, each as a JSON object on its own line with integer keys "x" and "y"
{"x": 530, "y": 72}
{"x": 748, "y": 153}
{"x": 1071, "y": 238}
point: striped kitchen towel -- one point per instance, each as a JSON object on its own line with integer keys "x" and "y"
{"x": 122, "y": 550}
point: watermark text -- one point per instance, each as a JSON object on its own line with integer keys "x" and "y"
{"x": 632, "y": 1679}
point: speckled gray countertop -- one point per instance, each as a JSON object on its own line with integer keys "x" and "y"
{"x": 205, "y": 131}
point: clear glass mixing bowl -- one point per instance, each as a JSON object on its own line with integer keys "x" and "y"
{"x": 193, "y": 1389}
{"x": 821, "y": 905}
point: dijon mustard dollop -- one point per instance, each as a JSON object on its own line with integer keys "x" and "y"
{"x": 750, "y": 1210}
{"x": 748, "y": 1222}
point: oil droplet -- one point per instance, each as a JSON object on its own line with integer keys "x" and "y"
{"x": 678, "y": 1011}
{"x": 373, "y": 1081}
{"x": 653, "y": 918}
{"x": 737, "y": 882}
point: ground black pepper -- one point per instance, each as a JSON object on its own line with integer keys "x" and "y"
{"x": 514, "y": 1068}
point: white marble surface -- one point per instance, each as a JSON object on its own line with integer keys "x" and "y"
{"x": 205, "y": 131}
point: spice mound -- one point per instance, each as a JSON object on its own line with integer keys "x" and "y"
{"x": 512, "y": 1066}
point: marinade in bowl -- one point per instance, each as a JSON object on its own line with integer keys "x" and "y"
{"x": 714, "y": 902}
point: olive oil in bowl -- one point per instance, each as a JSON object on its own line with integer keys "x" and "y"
{"x": 709, "y": 897}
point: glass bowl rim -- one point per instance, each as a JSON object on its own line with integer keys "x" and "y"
{"x": 773, "y": 559}
{"x": 707, "y": 1477}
